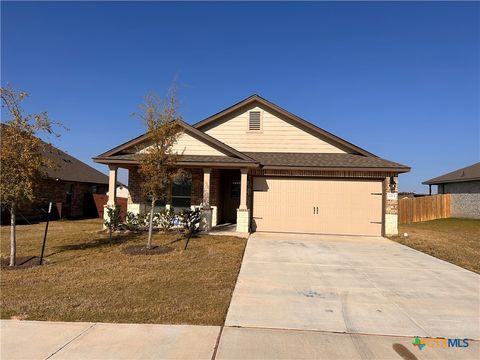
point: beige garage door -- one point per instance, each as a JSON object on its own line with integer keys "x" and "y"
{"x": 348, "y": 207}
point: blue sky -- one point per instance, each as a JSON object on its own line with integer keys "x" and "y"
{"x": 399, "y": 79}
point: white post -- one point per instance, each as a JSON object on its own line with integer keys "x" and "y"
{"x": 206, "y": 187}
{"x": 243, "y": 189}
{"x": 207, "y": 210}
{"x": 112, "y": 184}
{"x": 112, "y": 191}
{"x": 243, "y": 214}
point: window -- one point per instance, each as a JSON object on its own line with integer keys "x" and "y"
{"x": 182, "y": 192}
{"x": 254, "y": 123}
{"x": 235, "y": 190}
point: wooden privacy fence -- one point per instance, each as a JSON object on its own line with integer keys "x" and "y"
{"x": 424, "y": 208}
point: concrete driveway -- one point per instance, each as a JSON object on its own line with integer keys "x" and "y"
{"x": 353, "y": 285}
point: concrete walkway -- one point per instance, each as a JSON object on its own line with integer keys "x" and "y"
{"x": 66, "y": 340}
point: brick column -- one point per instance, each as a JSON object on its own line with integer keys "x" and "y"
{"x": 391, "y": 206}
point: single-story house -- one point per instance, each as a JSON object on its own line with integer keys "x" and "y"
{"x": 266, "y": 169}
{"x": 69, "y": 184}
{"x": 464, "y": 186}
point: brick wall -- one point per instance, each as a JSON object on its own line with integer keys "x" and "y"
{"x": 467, "y": 187}
{"x": 391, "y": 208}
{"x": 136, "y": 197}
{"x": 81, "y": 203}
{"x": 134, "y": 183}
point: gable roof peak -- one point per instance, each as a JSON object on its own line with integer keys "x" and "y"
{"x": 287, "y": 114}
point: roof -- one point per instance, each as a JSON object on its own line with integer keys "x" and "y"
{"x": 292, "y": 117}
{"x": 324, "y": 160}
{"x": 68, "y": 168}
{"x": 184, "y": 160}
{"x": 469, "y": 173}
{"x": 359, "y": 159}
{"x": 271, "y": 160}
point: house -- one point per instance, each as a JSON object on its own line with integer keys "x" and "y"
{"x": 266, "y": 169}
{"x": 464, "y": 186}
{"x": 69, "y": 184}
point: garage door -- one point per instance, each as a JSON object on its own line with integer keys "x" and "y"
{"x": 317, "y": 206}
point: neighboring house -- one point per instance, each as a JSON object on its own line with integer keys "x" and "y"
{"x": 70, "y": 185}
{"x": 265, "y": 169}
{"x": 464, "y": 186}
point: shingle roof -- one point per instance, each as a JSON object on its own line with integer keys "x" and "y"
{"x": 274, "y": 159}
{"x": 183, "y": 158}
{"x": 71, "y": 169}
{"x": 323, "y": 160}
{"x": 469, "y": 173}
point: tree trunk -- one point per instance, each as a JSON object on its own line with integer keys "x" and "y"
{"x": 150, "y": 225}
{"x": 13, "y": 237}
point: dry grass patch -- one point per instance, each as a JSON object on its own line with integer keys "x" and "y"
{"x": 87, "y": 279}
{"x": 453, "y": 240}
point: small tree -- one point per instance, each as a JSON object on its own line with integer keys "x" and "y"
{"x": 158, "y": 160}
{"x": 22, "y": 163}
{"x": 114, "y": 219}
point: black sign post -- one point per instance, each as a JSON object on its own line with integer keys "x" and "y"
{"x": 46, "y": 230}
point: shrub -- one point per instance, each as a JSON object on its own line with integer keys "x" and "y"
{"x": 166, "y": 219}
{"x": 131, "y": 221}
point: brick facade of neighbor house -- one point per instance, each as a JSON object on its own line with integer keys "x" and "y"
{"x": 465, "y": 197}
{"x": 70, "y": 199}
{"x": 464, "y": 187}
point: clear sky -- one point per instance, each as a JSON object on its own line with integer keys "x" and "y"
{"x": 399, "y": 79}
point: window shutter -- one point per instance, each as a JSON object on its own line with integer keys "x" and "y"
{"x": 254, "y": 120}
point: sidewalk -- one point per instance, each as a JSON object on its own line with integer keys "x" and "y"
{"x": 71, "y": 340}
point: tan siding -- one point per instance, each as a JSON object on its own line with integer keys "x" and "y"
{"x": 277, "y": 135}
{"x": 188, "y": 145}
{"x": 348, "y": 207}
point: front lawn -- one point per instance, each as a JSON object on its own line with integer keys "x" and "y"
{"x": 87, "y": 279}
{"x": 453, "y": 240}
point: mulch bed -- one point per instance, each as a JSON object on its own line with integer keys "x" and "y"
{"x": 142, "y": 250}
{"x": 23, "y": 262}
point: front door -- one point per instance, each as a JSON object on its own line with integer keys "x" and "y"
{"x": 231, "y": 195}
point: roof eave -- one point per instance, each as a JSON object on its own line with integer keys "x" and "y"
{"x": 439, "y": 182}
{"x": 237, "y": 165}
{"x": 338, "y": 168}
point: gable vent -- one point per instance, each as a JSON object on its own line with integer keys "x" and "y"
{"x": 254, "y": 120}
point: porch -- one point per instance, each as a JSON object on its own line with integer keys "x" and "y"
{"x": 222, "y": 193}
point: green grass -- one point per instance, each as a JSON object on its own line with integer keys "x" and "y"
{"x": 453, "y": 240}
{"x": 87, "y": 279}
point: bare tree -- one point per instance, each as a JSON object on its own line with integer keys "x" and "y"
{"x": 22, "y": 164}
{"x": 158, "y": 160}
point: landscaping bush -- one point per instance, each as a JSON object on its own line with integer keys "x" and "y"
{"x": 166, "y": 219}
{"x": 131, "y": 222}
